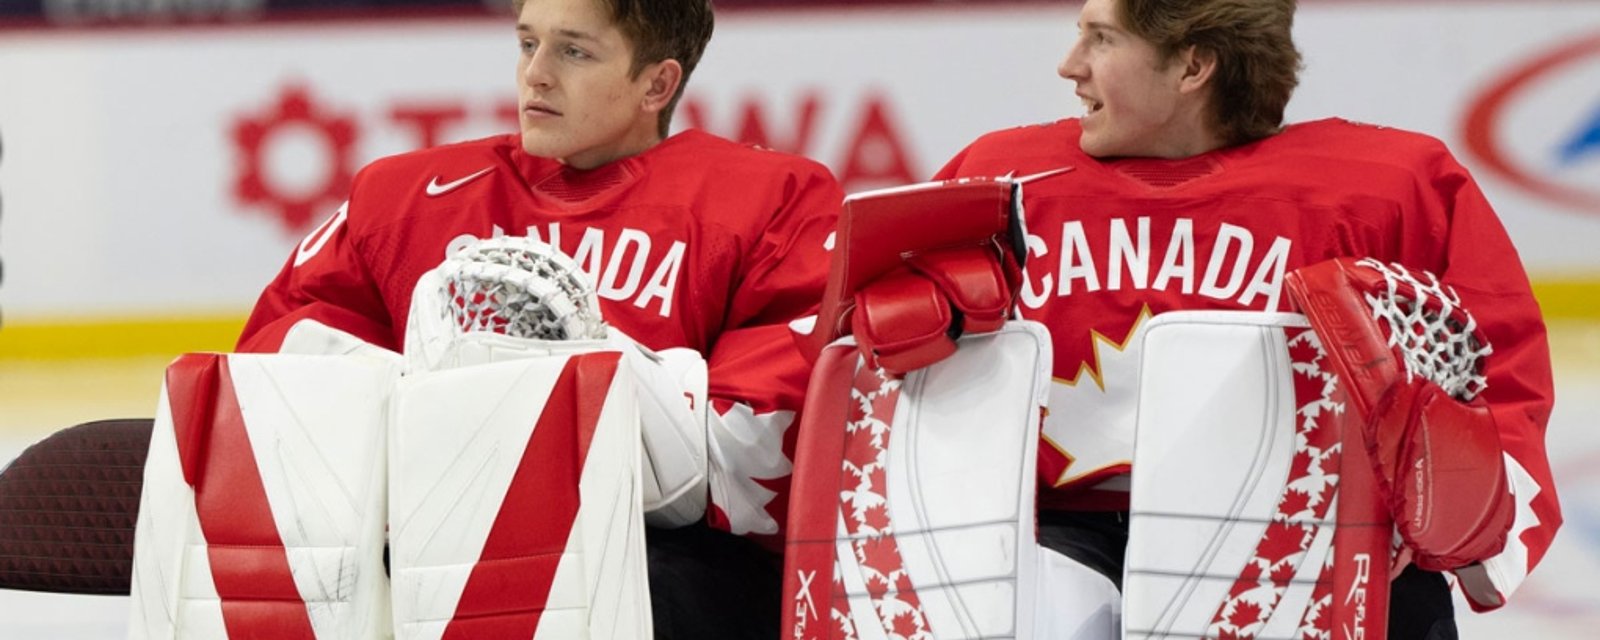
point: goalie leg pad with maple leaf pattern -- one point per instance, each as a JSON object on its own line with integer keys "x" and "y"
{"x": 1252, "y": 509}
{"x": 913, "y": 511}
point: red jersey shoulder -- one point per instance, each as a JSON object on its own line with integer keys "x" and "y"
{"x": 736, "y": 185}
{"x": 699, "y": 152}
{"x": 435, "y": 170}
{"x": 1341, "y": 162}
{"x": 1348, "y": 141}
{"x": 1022, "y": 150}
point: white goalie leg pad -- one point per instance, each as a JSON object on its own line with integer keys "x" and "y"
{"x": 912, "y": 509}
{"x": 311, "y": 337}
{"x": 1247, "y": 510}
{"x": 261, "y": 513}
{"x": 515, "y": 500}
{"x": 1079, "y": 603}
{"x": 671, "y": 384}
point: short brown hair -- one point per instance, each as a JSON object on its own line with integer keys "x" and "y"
{"x": 1257, "y": 64}
{"x": 661, "y": 30}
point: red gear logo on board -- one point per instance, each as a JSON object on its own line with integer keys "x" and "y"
{"x": 253, "y": 134}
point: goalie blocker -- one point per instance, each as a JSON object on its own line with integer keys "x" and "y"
{"x": 906, "y": 289}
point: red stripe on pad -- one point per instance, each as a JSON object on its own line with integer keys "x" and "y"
{"x": 249, "y": 565}
{"x": 509, "y": 586}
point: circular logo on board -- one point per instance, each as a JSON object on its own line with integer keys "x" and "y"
{"x": 1537, "y": 125}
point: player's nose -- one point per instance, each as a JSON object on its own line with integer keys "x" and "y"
{"x": 537, "y": 73}
{"x": 1072, "y": 66}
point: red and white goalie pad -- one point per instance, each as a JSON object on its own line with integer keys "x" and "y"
{"x": 912, "y": 512}
{"x": 262, "y": 508}
{"x": 1254, "y": 510}
{"x": 510, "y": 298}
{"x": 514, "y": 500}
{"x": 515, "y": 496}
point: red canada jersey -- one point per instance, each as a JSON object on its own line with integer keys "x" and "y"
{"x": 698, "y": 242}
{"x": 1112, "y": 243}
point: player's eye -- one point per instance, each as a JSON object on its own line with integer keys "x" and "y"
{"x": 527, "y": 45}
{"x": 577, "y": 54}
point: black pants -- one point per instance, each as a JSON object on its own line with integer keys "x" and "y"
{"x": 710, "y": 584}
{"x": 1419, "y": 601}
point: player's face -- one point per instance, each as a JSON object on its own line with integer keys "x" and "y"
{"x": 1130, "y": 94}
{"x": 577, "y": 101}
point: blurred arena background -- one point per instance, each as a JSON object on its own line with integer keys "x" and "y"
{"x": 159, "y": 159}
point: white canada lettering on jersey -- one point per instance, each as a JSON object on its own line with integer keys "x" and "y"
{"x": 1124, "y": 259}
{"x": 628, "y": 266}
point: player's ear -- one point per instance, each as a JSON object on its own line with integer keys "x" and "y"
{"x": 1199, "y": 65}
{"x": 662, "y": 80}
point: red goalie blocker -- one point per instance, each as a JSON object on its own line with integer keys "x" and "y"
{"x": 917, "y": 266}
{"x": 1435, "y": 451}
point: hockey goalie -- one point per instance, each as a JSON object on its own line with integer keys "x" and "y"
{"x": 493, "y": 482}
{"x": 1288, "y": 465}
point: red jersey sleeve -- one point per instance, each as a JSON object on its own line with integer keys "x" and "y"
{"x": 757, "y": 375}
{"x": 324, "y": 281}
{"x": 1483, "y": 266}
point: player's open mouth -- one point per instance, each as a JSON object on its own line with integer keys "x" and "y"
{"x": 1091, "y": 106}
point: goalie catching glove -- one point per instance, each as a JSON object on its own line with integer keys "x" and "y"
{"x": 1412, "y": 360}
{"x": 512, "y": 297}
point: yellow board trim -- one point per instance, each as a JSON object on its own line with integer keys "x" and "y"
{"x": 117, "y": 338}
{"x": 1568, "y": 299}
{"x": 33, "y": 339}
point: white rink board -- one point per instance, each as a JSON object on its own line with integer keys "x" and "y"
{"x": 120, "y": 161}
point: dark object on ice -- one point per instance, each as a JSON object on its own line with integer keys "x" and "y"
{"x": 68, "y": 506}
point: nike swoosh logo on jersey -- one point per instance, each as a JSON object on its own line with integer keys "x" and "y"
{"x": 435, "y": 189}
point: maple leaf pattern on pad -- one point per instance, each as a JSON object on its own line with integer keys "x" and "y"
{"x": 864, "y": 507}
{"x": 1308, "y": 492}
